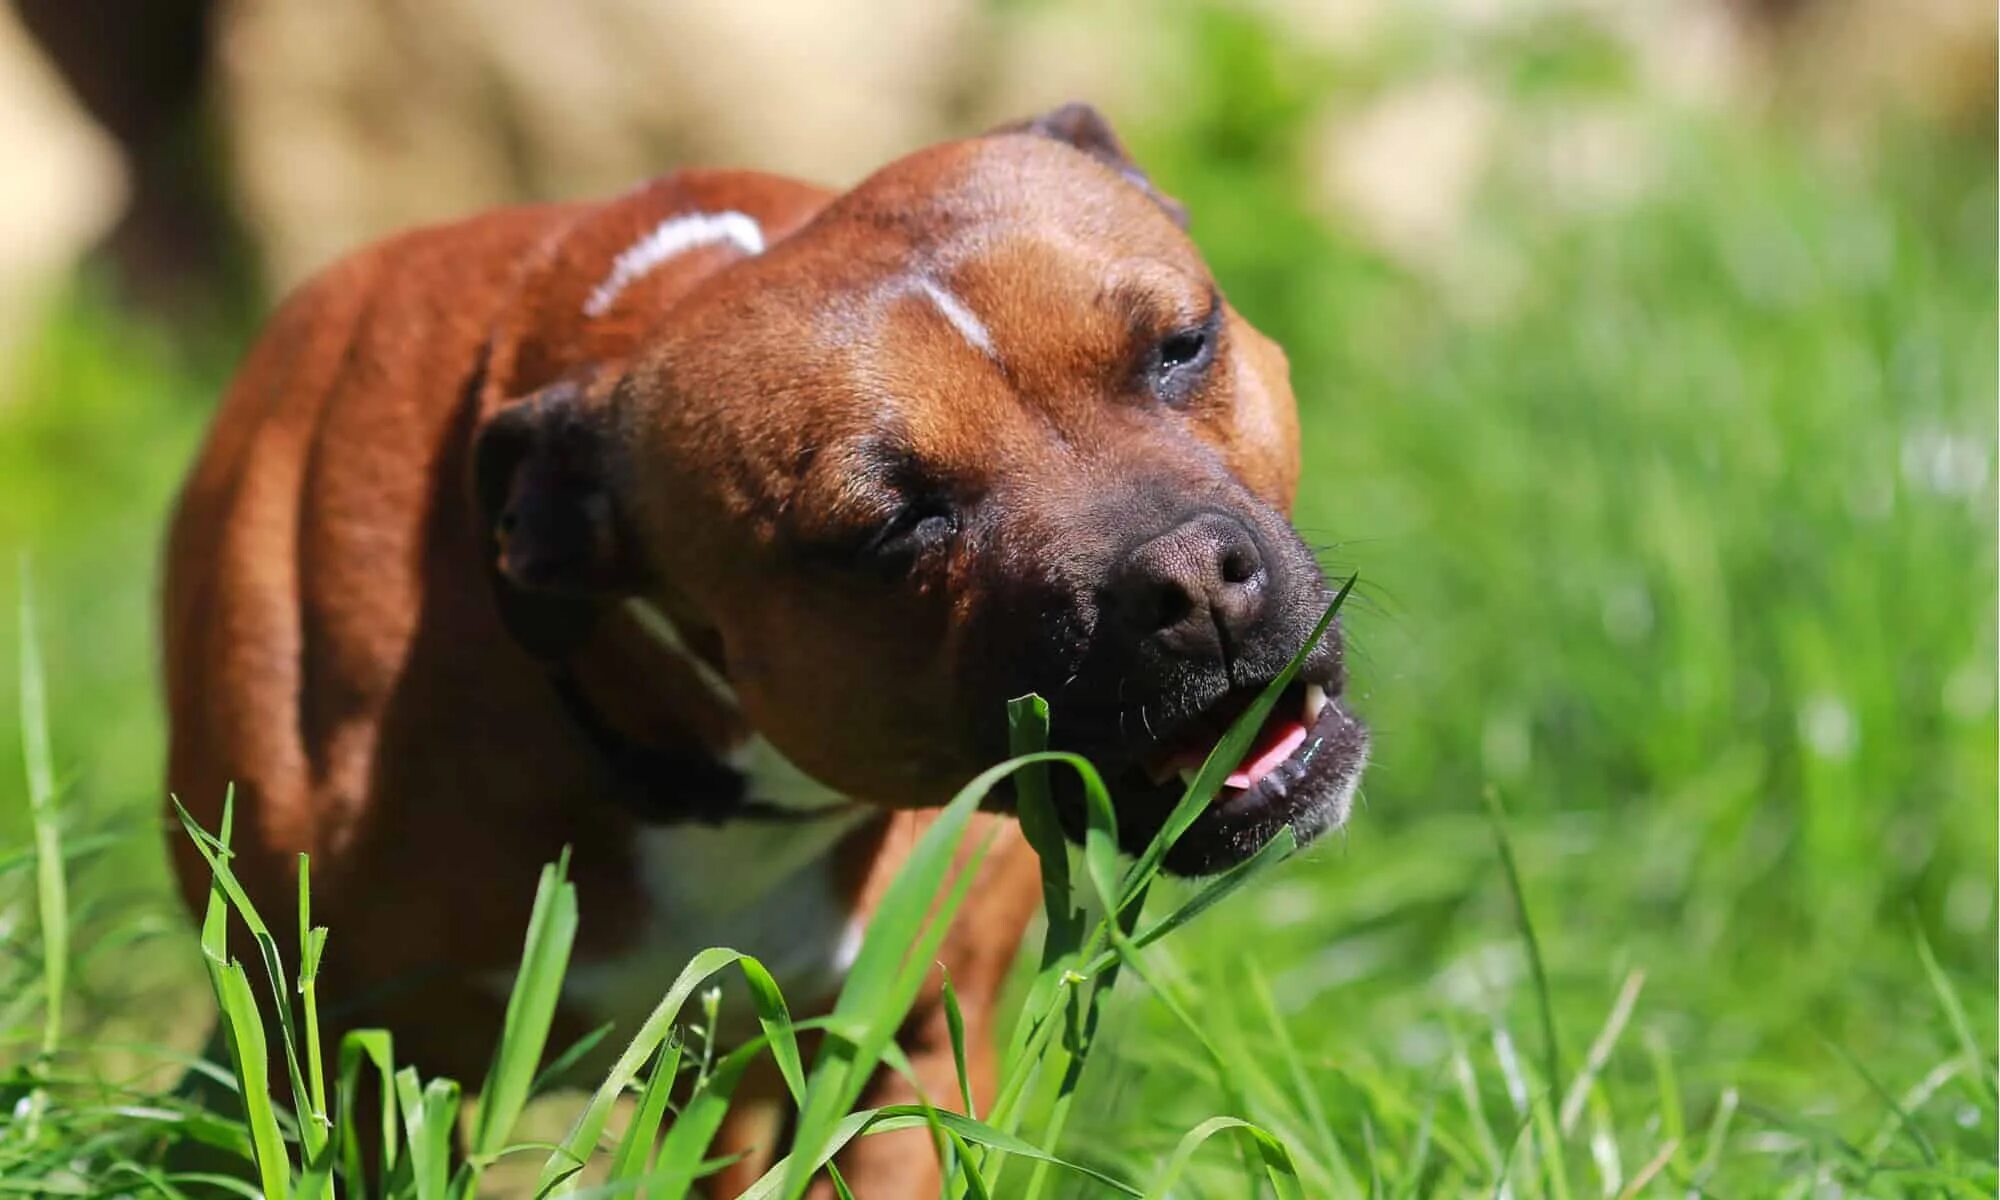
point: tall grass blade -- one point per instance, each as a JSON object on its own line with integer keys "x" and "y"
{"x": 245, "y": 1028}
{"x": 531, "y": 1008}
{"x": 635, "y": 1146}
{"x": 574, "y": 1053}
{"x": 1979, "y": 1062}
{"x": 954, "y": 1026}
{"x": 1600, "y": 1050}
{"x": 1302, "y": 1087}
{"x": 430, "y": 1114}
{"x": 581, "y": 1140}
{"x": 372, "y": 1047}
{"x": 1279, "y": 1170}
{"x": 317, "y": 1178}
{"x": 1028, "y": 733}
{"x": 1544, "y": 997}
{"x": 51, "y": 885}
{"x": 1909, "y": 1127}
{"x": 312, "y": 1135}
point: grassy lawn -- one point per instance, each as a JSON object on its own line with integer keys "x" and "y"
{"x": 1676, "y": 545}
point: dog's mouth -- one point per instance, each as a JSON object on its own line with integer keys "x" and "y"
{"x": 1284, "y": 733}
{"x": 1300, "y": 772}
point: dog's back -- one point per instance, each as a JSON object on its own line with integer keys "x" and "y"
{"x": 309, "y": 489}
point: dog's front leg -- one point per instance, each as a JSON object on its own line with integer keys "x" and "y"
{"x": 903, "y": 1165}
{"x": 977, "y": 954}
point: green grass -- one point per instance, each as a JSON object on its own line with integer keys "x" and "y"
{"x": 1678, "y": 546}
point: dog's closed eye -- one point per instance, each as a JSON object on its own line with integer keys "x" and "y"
{"x": 923, "y": 522}
{"x": 893, "y": 512}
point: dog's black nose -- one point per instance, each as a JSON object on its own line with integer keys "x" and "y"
{"x": 1194, "y": 590}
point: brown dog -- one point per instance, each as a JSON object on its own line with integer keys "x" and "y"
{"x": 660, "y": 527}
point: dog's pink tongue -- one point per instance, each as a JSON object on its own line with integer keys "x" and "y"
{"x": 1277, "y": 743}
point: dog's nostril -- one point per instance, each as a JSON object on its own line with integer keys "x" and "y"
{"x": 1168, "y": 606}
{"x": 1239, "y": 565}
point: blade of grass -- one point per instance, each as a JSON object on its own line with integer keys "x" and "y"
{"x": 51, "y": 885}
{"x": 635, "y": 1146}
{"x": 681, "y": 1156}
{"x": 1076, "y": 1049}
{"x": 1651, "y": 1170}
{"x": 1544, "y": 999}
{"x": 1600, "y": 1049}
{"x": 1475, "y": 1107}
{"x": 245, "y": 1026}
{"x": 574, "y": 1053}
{"x": 1028, "y": 733}
{"x": 373, "y": 1047}
{"x": 584, "y": 1132}
{"x": 1889, "y": 1101}
{"x": 312, "y": 1135}
{"x": 1673, "y": 1117}
{"x": 430, "y": 1113}
{"x": 531, "y": 1008}
{"x": 1555, "y": 1166}
{"x": 1978, "y": 1062}
{"x": 1282, "y": 1175}
{"x": 1212, "y": 892}
{"x": 1718, "y": 1135}
{"x": 954, "y": 1025}
{"x": 312, "y": 944}
{"x": 1306, "y": 1094}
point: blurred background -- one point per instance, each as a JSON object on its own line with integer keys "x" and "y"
{"x": 1646, "y": 359}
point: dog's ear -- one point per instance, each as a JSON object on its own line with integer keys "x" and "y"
{"x": 544, "y": 494}
{"x": 1082, "y": 126}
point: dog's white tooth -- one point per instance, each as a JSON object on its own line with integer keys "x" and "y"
{"x": 1315, "y": 700}
{"x": 1187, "y": 776}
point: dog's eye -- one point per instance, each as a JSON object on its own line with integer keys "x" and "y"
{"x": 1182, "y": 348}
{"x": 1179, "y": 361}
{"x": 920, "y": 525}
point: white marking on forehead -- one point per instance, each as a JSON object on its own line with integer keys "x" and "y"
{"x": 675, "y": 235}
{"x": 962, "y": 319}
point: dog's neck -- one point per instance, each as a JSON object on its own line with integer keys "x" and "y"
{"x": 671, "y": 730}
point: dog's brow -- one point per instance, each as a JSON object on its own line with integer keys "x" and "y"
{"x": 1149, "y": 305}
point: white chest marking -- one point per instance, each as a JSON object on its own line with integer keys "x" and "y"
{"x": 675, "y": 235}
{"x": 770, "y": 890}
{"x": 969, "y": 326}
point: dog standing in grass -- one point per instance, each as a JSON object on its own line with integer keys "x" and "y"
{"x": 707, "y": 531}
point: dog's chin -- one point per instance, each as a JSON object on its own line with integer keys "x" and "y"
{"x": 1301, "y": 773}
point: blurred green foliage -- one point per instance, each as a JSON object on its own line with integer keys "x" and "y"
{"x": 1675, "y": 521}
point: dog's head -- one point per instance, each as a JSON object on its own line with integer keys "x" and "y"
{"x": 984, "y": 426}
